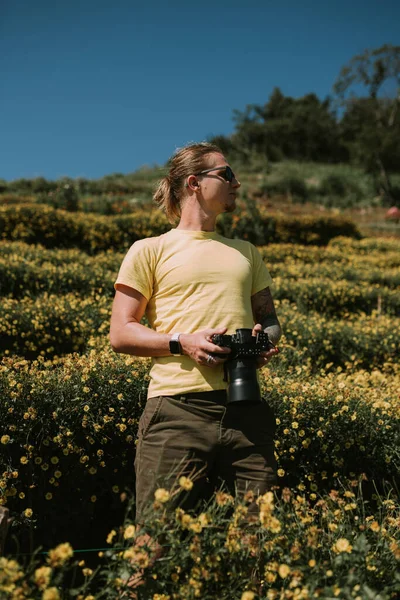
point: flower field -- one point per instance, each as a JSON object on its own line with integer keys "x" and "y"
{"x": 70, "y": 409}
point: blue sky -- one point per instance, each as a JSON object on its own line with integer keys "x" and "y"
{"x": 93, "y": 87}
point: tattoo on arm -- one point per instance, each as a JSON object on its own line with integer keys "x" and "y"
{"x": 264, "y": 313}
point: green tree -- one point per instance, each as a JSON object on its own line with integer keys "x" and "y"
{"x": 371, "y": 123}
{"x": 300, "y": 128}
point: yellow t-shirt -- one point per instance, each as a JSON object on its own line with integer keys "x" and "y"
{"x": 193, "y": 280}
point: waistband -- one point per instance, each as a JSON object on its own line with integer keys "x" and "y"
{"x": 219, "y": 396}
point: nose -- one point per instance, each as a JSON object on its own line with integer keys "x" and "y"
{"x": 235, "y": 183}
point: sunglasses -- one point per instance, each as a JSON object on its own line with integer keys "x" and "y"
{"x": 226, "y": 172}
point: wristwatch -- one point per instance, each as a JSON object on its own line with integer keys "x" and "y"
{"x": 174, "y": 346}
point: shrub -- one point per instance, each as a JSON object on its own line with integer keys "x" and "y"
{"x": 315, "y": 231}
{"x": 65, "y": 197}
{"x": 339, "y": 191}
{"x": 53, "y": 228}
{"x": 52, "y": 325}
{"x": 75, "y": 420}
{"x": 299, "y": 547}
{"x": 288, "y": 185}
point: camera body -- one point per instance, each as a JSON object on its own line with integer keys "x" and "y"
{"x": 241, "y": 366}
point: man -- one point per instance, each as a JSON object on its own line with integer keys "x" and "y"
{"x": 193, "y": 283}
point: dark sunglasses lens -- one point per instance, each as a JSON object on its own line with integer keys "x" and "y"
{"x": 228, "y": 175}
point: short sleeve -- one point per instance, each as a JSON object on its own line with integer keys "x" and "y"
{"x": 260, "y": 274}
{"x": 137, "y": 268}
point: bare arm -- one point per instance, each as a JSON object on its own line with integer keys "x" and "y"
{"x": 264, "y": 313}
{"x": 129, "y": 336}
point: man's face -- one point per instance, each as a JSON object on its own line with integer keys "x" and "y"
{"x": 219, "y": 195}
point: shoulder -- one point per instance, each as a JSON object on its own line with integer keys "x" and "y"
{"x": 241, "y": 245}
{"x": 245, "y": 247}
{"x": 147, "y": 245}
{"x": 144, "y": 251}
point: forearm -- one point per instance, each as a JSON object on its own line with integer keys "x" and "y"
{"x": 139, "y": 340}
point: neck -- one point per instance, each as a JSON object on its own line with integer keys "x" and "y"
{"x": 197, "y": 220}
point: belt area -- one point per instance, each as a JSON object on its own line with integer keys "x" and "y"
{"x": 212, "y": 396}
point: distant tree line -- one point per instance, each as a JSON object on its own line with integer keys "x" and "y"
{"x": 346, "y": 128}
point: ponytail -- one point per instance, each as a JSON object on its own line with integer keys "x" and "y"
{"x": 167, "y": 201}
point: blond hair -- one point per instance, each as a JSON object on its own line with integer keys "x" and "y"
{"x": 186, "y": 161}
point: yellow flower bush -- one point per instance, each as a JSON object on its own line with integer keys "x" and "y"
{"x": 39, "y": 223}
{"x": 70, "y": 409}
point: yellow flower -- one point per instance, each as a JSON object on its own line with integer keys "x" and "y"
{"x": 162, "y": 495}
{"x": 5, "y": 439}
{"x": 342, "y": 545}
{"x": 375, "y": 526}
{"x": 42, "y": 577}
{"x": 48, "y": 496}
{"x": 248, "y": 596}
{"x": 161, "y": 597}
{"x": 312, "y": 563}
{"x": 111, "y": 536}
{"x": 186, "y": 483}
{"x": 272, "y": 524}
{"x": 51, "y": 594}
{"x": 221, "y": 498}
{"x": 54, "y": 460}
{"x": 140, "y": 558}
{"x": 28, "y": 512}
{"x": 59, "y": 555}
{"x": 129, "y": 532}
{"x": 295, "y": 425}
{"x": 281, "y": 472}
{"x": 283, "y": 571}
{"x": 23, "y": 460}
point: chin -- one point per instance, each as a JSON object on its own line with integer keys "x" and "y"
{"x": 229, "y": 208}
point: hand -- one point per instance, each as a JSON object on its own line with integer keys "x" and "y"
{"x": 264, "y": 357}
{"x": 199, "y": 347}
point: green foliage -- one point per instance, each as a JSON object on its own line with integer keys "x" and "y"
{"x": 291, "y": 186}
{"x": 337, "y": 185}
{"x": 302, "y": 546}
{"x": 52, "y": 325}
{"x": 371, "y": 125}
{"x": 75, "y": 420}
{"x": 92, "y": 233}
{"x": 39, "y": 224}
{"x": 303, "y": 129}
{"x": 68, "y": 422}
{"x": 65, "y": 197}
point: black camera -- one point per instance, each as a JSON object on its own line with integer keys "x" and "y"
{"x": 241, "y": 366}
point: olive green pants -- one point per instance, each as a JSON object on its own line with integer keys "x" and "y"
{"x": 202, "y": 437}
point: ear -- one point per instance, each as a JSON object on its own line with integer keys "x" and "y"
{"x": 192, "y": 183}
